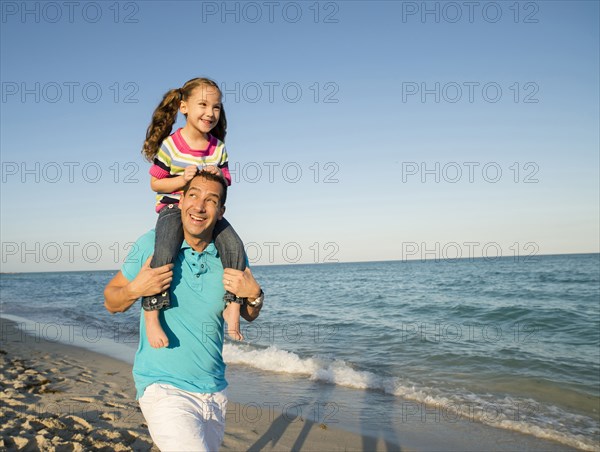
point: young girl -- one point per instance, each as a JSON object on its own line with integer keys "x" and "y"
{"x": 176, "y": 159}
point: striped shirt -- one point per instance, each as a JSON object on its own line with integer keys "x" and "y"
{"x": 175, "y": 154}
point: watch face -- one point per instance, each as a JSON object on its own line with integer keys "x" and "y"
{"x": 258, "y": 301}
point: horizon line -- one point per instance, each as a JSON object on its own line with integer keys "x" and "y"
{"x": 531, "y": 258}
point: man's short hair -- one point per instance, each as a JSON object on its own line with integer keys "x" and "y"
{"x": 210, "y": 176}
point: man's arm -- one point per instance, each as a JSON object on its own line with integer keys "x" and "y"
{"x": 120, "y": 293}
{"x": 243, "y": 285}
{"x": 250, "y": 313}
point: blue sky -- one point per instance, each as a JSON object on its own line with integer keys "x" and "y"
{"x": 360, "y": 130}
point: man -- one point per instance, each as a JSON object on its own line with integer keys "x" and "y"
{"x": 181, "y": 388}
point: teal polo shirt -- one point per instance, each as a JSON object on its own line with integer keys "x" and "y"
{"x": 193, "y": 361}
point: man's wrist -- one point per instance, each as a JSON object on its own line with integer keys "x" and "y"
{"x": 130, "y": 293}
{"x": 256, "y": 294}
{"x": 258, "y": 300}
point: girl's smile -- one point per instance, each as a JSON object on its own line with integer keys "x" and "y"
{"x": 203, "y": 109}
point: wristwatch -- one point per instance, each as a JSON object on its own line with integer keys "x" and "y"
{"x": 258, "y": 301}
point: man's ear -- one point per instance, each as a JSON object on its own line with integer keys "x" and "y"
{"x": 221, "y": 213}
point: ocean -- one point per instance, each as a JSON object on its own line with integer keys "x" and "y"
{"x": 511, "y": 343}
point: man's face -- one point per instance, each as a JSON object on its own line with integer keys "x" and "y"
{"x": 201, "y": 208}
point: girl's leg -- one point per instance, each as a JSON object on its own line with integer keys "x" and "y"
{"x": 231, "y": 249}
{"x": 168, "y": 239}
{"x": 231, "y": 314}
{"x": 167, "y": 242}
{"x": 156, "y": 335}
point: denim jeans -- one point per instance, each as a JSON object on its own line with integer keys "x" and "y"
{"x": 167, "y": 243}
{"x": 231, "y": 250}
{"x": 168, "y": 236}
{"x": 229, "y": 245}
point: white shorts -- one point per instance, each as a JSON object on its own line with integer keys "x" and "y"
{"x": 180, "y": 421}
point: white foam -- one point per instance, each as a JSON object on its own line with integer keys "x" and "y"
{"x": 319, "y": 368}
{"x": 494, "y": 412}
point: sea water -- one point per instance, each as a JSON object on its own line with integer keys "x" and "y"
{"x": 512, "y": 343}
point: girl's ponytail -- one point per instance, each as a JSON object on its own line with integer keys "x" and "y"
{"x": 162, "y": 122}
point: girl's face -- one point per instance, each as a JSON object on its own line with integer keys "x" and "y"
{"x": 202, "y": 108}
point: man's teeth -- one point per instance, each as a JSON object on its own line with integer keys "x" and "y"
{"x": 194, "y": 217}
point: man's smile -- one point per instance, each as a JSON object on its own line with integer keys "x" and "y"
{"x": 197, "y": 218}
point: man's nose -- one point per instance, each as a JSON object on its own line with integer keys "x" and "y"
{"x": 200, "y": 204}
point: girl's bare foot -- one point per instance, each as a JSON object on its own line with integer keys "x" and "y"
{"x": 154, "y": 332}
{"x": 234, "y": 332}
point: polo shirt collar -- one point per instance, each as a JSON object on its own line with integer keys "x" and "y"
{"x": 210, "y": 249}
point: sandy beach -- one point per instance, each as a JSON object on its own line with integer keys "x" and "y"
{"x": 60, "y": 397}
{"x": 57, "y": 397}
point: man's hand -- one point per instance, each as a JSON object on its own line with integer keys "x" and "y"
{"x": 120, "y": 293}
{"x": 241, "y": 283}
{"x": 151, "y": 281}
